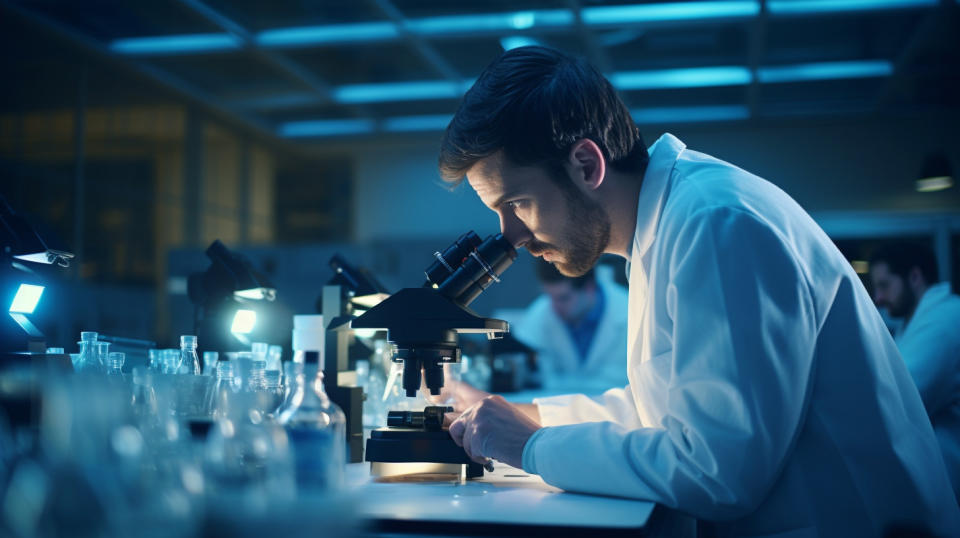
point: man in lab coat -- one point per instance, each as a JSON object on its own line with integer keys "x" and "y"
{"x": 766, "y": 397}
{"x": 577, "y": 327}
{"x": 905, "y": 282}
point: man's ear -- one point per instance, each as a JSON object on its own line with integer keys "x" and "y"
{"x": 915, "y": 279}
{"x": 586, "y": 164}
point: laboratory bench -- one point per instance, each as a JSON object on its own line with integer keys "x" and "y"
{"x": 506, "y": 502}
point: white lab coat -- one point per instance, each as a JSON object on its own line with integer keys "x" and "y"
{"x": 930, "y": 345}
{"x": 606, "y": 362}
{"x": 766, "y": 397}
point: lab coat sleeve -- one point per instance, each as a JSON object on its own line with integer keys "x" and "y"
{"x": 614, "y": 405}
{"x": 743, "y": 330}
{"x": 933, "y": 356}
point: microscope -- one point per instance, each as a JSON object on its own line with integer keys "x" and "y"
{"x": 424, "y": 324}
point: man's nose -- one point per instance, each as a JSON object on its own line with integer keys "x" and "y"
{"x": 514, "y": 230}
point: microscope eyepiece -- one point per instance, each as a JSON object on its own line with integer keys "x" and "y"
{"x": 481, "y": 267}
{"x": 452, "y": 257}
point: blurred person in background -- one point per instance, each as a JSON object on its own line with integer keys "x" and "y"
{"x": 906, "y": 283}
{"x": 579, "y": 328}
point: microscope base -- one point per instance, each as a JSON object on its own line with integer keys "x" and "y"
{"x": 408, "y": 445}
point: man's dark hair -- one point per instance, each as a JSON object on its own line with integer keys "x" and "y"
{"x": 548, "y": 274}
{"x": 902, "y": 256}
{"x": 534, "y": 103}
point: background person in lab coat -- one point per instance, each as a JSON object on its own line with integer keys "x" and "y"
{"x": 906, "y": 282}
{"x": 766, "y": 396}
{"x": 578, "y": 328}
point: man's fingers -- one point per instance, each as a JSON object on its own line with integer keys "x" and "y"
{"x": 456, "y": 430}
{"x": 449, "y": 418}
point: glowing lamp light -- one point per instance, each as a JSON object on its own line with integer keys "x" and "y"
{"x": 26, "y": 299}
{"x": 243, "y": 322}
{"x": 257, "y": 294}
{"x": 933, "y": 184}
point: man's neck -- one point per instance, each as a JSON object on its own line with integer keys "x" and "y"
{"x": 918, "y": 293}
{"x": 620, "y": 201}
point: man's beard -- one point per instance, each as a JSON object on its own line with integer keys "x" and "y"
{"x": 585, "y": 236}
{"x": 905, "y": 306}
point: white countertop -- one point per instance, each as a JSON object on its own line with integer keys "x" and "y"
{"x": 507, "y": 496}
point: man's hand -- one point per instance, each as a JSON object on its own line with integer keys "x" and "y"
{"x": 493, "y": 428}
{"x": 462, "y": 393}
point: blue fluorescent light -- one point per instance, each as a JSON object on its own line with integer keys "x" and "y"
{"x": 334, "y": 33}
{"x": 491, "y": 22}
{"x": 676, "y": 11}
{"x": 516, "y": 41}
{"x": 296, "y": 129}
{"x": 398, "y": 91}
{"x": 26, "y": 299}
{"x": 402, "y": 124}
{"x": 690, "y": 114}
{"x": 175, "y": 44}
{"x": 810, "y": 7}
{"x": 693, "y": 77}
{"x": 825, "y": 71}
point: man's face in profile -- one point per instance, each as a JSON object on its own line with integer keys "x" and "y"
{"x": 890, "y": 291}
{"x": 537, "y": 211}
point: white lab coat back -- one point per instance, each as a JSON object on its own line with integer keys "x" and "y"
{"x": 766, "y": 397}
{"x": 606, "y": 362}
{"x": 930, "y": 345}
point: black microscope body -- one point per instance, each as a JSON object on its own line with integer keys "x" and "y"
{"x": 424, "y": 324}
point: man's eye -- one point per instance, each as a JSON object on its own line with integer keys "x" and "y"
{"x": 517, "y": 204}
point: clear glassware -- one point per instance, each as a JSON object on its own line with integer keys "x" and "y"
{"x": 87, "y": 361}
{"x": 170, "y": 361}
{"x": 274, "y": 358}
{"x": 210, "y": 359}
{"x": 55, "y": 351}
{"x": 114, "y": 362}
{"x": 101, "y": 350}
{"x": 226, "y": 385}
{"x": 247, "y": 456}
{"x": 274, "y": 391}
{"x": 153, "y": 356}
{"x": 188, "y": 349}
{"x": 316, "y": 428}
{"x": 259, "y": 350}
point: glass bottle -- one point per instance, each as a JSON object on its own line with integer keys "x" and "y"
{"x": 223, "y": 389}
{"x": 188, "y": 350}
{"x": 210, "y": 359}
{"x": 274, "y": 358}
{"x": 87, "y": 361}
{"x": 170, "y": 360}
{"x": 102, "y": 350}
{"x": 114, "y": 362}
{"x": 274, "y": 391}
{"x": 316, "y": 428}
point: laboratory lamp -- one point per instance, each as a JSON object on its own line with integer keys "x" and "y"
{"x": 936, "y": 173}
{"x": 223, "y": 297}
{"x": 21, "y": 246}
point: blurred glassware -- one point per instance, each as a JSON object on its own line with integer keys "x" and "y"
{"x": 210, "y": 359}
{"x": 274, "y": 358}
{"x": 316, "y": 428}
{"x": 55, "y": 350}
{"x": 188, "y": 349}
{"x": 87, "y": 360}
{"x": 274, "y": 392}
{"x": 226, "y": 383}
{"x": 153, "y": 359}
{"x": 101, "y": 350}
{"x": 114, "y": 362}
{"x": 247, "y": 457}
{"x": 170, "y": 360}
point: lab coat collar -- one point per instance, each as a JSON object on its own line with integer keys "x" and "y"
{"x": 653, "y": 191}
{"x": 931, "y": 298}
